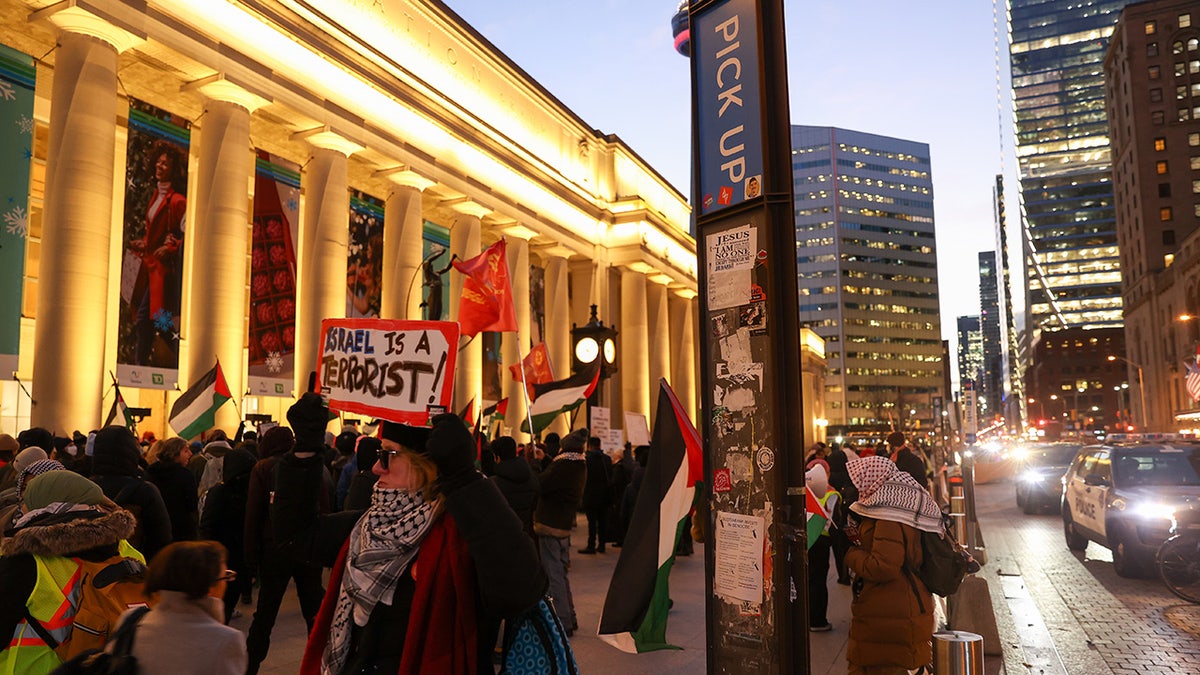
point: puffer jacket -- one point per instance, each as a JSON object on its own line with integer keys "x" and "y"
{"x": 892, "y": 612}
{"x": 520, "y": 489}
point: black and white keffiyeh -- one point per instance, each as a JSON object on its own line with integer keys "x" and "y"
{"x": 887, "y": 493}
{"x": 382, "y": 546}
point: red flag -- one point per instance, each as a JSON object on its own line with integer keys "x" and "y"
{"x": 486, "y": 303}
{"x": 534, "y": 369}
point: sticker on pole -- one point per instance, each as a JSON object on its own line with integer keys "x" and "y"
{"x": 390, "y": 369}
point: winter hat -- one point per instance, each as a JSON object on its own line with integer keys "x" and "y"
{"x": 217, "y": 448}
{"x": 36, "y": 469}
{"x": 413, "y": 438}
{"x": 505, "y": 447}
{"x": 9, "y": 444}
{"x": 116, "y": 452}
{"x": 308, "y": 418}
{"x": 35, "y": 437}
{"x": 451, "y": 438}
{"x": 63, "y": 486}
{"x": 237, "y": 463}
{"x": 27, "y": 457}
{"x": 276, "y": 441}
{"x": 575, "y": 441}
{"x": 368, "y": 453}
{"x": 817, "y": 479}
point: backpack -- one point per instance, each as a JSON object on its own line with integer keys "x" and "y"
{"x": 535, "y": 643}
{"x": 108, "y": 589}
{"x": 945, "y": 562}
{"x": 119, "y": 662}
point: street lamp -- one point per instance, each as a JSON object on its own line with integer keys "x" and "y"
{"x": 1141, "y": 385}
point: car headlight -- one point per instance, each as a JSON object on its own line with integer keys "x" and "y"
{"x": 1032, "y": 476}
{"x": 1020, "y": 454}
{"x": 1148, "y": 510}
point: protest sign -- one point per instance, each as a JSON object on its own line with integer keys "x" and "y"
{"x": 391, "y": 369}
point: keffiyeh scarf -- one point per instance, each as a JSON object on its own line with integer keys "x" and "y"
{"x": 570, "y": 457}
{"x": 382, "y": 546}
{"x": 887, "y": 493}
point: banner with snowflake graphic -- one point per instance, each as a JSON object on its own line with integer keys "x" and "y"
{"x": 16, "y": 143}
{"x": 364, "y": 264}
{"x": 273, "y": 276}
{"x": 152, "y": 270}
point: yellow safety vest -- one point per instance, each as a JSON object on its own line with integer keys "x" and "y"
{"x": 53, "y": 602}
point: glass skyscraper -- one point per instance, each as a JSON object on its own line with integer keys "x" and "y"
{"x": 867, "y": 263}
{"x": 1057, "y": 59}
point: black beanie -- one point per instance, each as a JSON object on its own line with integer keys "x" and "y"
{"x": 413, "y": 438}
{"x": 308, "y": 418}
{"x": 37, "y": 437}
{"x": 368, "y": 453}
{"x": 450, "y": 436}
{"x": 575, "y": 441}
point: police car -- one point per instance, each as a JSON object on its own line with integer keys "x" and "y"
{"x": 1039, "y": 471}
{"x": 1128, "y": 497}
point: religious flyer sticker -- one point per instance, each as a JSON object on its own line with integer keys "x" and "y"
{"x": 731, "y": 257}
{"x": 635, "y": 427}
{"x": 391, "y": 369}
{"x": 765, "y": 459}
{"x": 722, "y": 482}
{"x": 738, "y": 576}
{"x": 600, "y": 419}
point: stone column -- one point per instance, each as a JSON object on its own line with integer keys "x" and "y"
{"x": 582, "y": 291}
{"x": 219, "y": 240}
{"x": 73, "y": 286}
{"x": 465, "y": 242}
{"x": 514, "y": 346}
{"x": 558, "y": 327}
{"x": 683, "y": 342}
{"x": 658, "y": 336}
{"x": 634, "y": 353}
{"x": 324, "y": 238}
{"x": 403, "y": 231}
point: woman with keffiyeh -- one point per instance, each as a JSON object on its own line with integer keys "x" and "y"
{"x": 891, "y": 629}
{"x": 429, "y": 570}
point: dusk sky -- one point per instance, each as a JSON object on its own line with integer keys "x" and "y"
{"x": 924, "y": 72}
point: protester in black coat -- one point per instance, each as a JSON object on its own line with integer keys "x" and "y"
{"x": 839, "y": 479}
{"x": 622, "y": 473}
{"x": 516, "y": 482}
{"x": 177, "y": 485}
{"x": 362, "y": 483}
{"x": 224, "y": 520}
{"x": 595, "y": 495}
{"x": 115, "y": 469}
{"x": 906, "y": 460}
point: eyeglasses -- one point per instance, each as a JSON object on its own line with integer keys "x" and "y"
{"x": 385, "y": 456}
{"x": 229, "y": 575}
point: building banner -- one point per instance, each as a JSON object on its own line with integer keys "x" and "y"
{"x": 156, "y": 169}
{"x": 392, "y": 369}
{"x": 364, "y": 266}
{"x": 16, "y": 144}
{"x": 273, "y": 276}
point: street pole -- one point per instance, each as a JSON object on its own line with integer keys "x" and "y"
{"x": 756, "y": 601}
{"x": 1142, "y": 399}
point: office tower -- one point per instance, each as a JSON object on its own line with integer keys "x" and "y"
{"x": 970, "y": 349}
{"x": 1013, "y": 370}
{"x": 991, "y": 381}
{"x": 1057, "y": 48}
{"x": 867, "y": 267}
{"x": 1153, "y": 92}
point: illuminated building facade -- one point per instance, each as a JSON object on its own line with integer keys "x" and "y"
{"x": 1153, "y": 92}
{"x": 346, "y": 99}
{"x": 867, "y": 265}
{"x": 970, "y": 349}
{"x": 1057, "y": 48}
{"x": 990, "y": 386}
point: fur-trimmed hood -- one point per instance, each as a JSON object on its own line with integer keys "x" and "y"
{"x": 69, "y": 533}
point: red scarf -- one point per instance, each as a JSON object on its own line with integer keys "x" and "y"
{"x": 442, "y": 632}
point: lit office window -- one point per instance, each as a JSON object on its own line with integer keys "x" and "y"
{"x": 1177, "y": 47}
{"x": 1196, "y": 187}
{"x": 1160, "y": 144}
{"x": 1160, "y": 167}
{"x": 1194, "y": 139}
{"x": 1185, "y": 20}
{"x": 1151, "y": 27}
{"x": 1195, "y": 163}
{"x": 1184, "y": 114}
{"x": 1164, "y": 214}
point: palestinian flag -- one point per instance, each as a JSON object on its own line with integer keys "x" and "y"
{"x": 635, "y": 610}
{"x": 815, "y": 516}
{"x": 496, "y": 411}
{"x": 118, "y": 413}
{"x": 196, "y": 410}
{"x": 560, "y": 396}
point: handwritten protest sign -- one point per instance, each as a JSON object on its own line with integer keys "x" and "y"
{"x": 390, "y": 369}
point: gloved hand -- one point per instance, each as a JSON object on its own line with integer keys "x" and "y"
{"x": 452, "y": 449}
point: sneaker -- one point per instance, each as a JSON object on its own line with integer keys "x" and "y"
{"x": 821, "y": 628}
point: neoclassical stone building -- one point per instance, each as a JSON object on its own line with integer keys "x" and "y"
{"x": 398, "y": 99}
